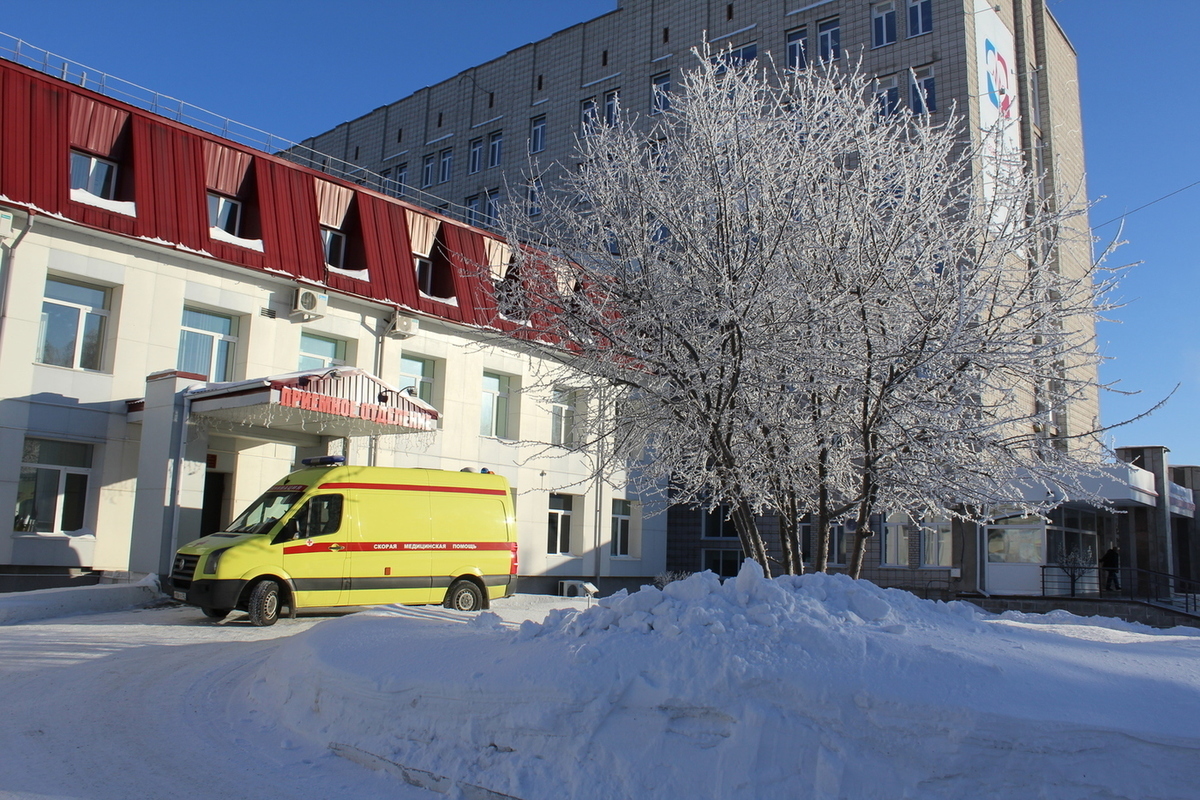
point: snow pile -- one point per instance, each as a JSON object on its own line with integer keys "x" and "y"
{"x": 50, "y": 603}
{"x": 815, "y": 686}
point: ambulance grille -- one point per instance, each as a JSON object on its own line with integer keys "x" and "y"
{"x": 184, "y": 569}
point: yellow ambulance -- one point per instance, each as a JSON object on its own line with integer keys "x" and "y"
{"x": 335, "y": 535}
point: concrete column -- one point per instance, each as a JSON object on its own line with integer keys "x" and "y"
{"x": 170, "y": 480}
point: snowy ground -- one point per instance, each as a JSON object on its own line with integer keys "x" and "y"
{"x": 816, "y": 687}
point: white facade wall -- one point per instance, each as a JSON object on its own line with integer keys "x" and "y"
{"x": 149, "y": 285}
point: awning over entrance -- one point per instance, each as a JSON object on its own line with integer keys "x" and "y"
{"x": 337, "y": 401}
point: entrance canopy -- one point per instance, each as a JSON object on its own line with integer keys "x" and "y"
{"x": 336, "y": 401}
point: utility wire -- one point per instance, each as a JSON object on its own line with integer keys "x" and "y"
{"x": 1147, "y": 205}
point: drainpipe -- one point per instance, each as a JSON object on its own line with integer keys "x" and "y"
{"x": 373, "y": 442}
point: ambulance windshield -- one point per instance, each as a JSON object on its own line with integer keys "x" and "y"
{"x": 264, "y": 512}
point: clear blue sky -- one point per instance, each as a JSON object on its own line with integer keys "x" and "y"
{"x": 299, "y": 67}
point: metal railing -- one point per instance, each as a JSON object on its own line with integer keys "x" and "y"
{"x": 21, "y": 52}
{"x": 1142, "y": 585}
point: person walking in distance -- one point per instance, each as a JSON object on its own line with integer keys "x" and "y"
{"x": 1111, "y": 561}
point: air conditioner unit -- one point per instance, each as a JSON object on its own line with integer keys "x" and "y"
{"x": 402, "y": 327}
{"x": 309, "y": 304}
{"x": 576, "y": 589}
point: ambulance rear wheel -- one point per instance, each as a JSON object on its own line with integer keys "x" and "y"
{"x": 216, "y": 613}
{"x": 464, "y": 596}
{"x": 264, "y": 604}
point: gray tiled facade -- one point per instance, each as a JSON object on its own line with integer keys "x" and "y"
{"x": 625, "y": 50}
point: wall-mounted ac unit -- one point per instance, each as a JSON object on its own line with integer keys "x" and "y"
{"x": 309, "y": 304}
{"x": 402, "y": 327}
{"x": 577, "y": 589}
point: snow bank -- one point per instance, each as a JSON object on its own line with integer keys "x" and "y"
{"x": 815, "y": 686}
{"x": 49, "y": 603}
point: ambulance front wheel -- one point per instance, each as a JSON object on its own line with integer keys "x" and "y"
{"x": 264, "y": 604}
{"x": 464, "y": 595}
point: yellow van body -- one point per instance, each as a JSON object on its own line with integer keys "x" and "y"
{"x": 331, "y": 536}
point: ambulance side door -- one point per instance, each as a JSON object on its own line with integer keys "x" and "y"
{"x": 316, "y": 550}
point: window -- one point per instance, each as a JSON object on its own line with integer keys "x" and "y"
{"x": 207, "y": 343}
{"x": 660, "y": 93}
{"x": 334, "y": 245}
{"x": 52, "y": 493}
{"x": 622, "y": 515}
{"x": 533, "y": 205}
{"x": 94, "y": 175}
{"x": 737, "y": 57}
{"x": 491, "y": 206}
{"x": 424, "y": 270}
{"x": 495, "y": 149}
{"x": 611, "y": 107}
{"x": 920, "y": 17}
{"x": 837, "y": 541}
{"x": 829, "y": 40}
{"x": 935, "y": 544}
{"x": 887, "y": 95}
{"x": 320, "y": 516}
{"x": 883, "y": 24}
{"x": 72, "y": 328}
{"x": 445, "y": 165}
{"x": 562, "y": 417}
{"x": 224, "y": 213}
{"x": 400, "y": 179}
{"x": 474, "y": 205}
{"x": 924, "y": 95}
{"x": 797, "y": 49}
{"x": 724, "y": 563}
{"x": 417, "y": 373}
{"x": 474, "y": 156}
{"x": 537, "y": 134}
{"x": 558, "y": 528}
{"x": 715, "y": 524}
{"x": 587, "y": 116}
{"x": 317, "y": 352}
{"x": 493, "y": 408}
{"x": 895, "y": 540}
{"x": 427, "y": 172}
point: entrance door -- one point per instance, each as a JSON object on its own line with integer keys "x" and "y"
{"x": 213, "y": 516}
{"x": 1015, "y": 557}
{"x": 315, "y": 544}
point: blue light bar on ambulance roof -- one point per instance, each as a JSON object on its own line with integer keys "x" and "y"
{"x": 323, "y": 461}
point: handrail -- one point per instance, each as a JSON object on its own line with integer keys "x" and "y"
{"x": 1142, "y": 585}
{"x": 21, "y": 52}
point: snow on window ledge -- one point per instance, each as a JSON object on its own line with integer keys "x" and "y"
{"x": 450, "y": 301}
{"x": 222, "y": 235}
{"x": 357, "y": 274}
{"x": 125, "y": 207}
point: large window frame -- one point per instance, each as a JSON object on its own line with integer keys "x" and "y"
{"x": 333, "y": 243}
{"x": 494, "y": 407}
{"x": 495, "y": 149}
{"x": 446, "y": 165}
{"x": 95, "y": 175}
{"x": 320, "y": 352}
{"x": 883, "y": 24}
{"x": 558, "y": 524}
{"x": 537, "y": 134}
{"x": 74, "y": 324}
{"x": 829, "y": 39}
{"x": 887, "y": 95}
{"x": 53, "y": 490}
{"x": 725, "y": 563}
{"x": 797, "y": 49}
{"x": 923, "y": 94}
{"x": 474, "y": 156}
{"x": 564, "y": 404}
{"x": 225, "y": 213}
{"x": 621, "y": 528}
{"x": 418, "y": 373}
{"x": 660, "y": 93}
{"x": 920, "y": 17}
{"x": 208, "y": 344}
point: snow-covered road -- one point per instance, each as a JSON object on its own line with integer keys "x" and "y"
{"x": 152, "y": 703}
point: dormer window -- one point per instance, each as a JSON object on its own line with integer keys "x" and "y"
{"x": 225, "y": 213}
{"x": 334, "y": 244}
{"x": 94, "y": 175}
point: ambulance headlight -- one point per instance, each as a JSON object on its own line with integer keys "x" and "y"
{"x": 214, "y": 558}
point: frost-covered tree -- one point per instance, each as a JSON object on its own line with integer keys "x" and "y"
{"x": 792, "y": 301}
